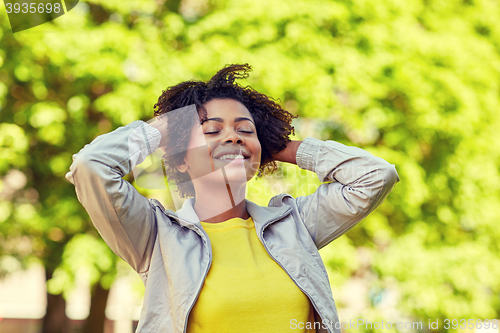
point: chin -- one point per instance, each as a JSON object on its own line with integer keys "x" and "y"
{"x": 235, "y": 177}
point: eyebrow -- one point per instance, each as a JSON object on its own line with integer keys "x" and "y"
{"x": 220, "y": 120}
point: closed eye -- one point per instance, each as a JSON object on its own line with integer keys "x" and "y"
{"x": 248, "y": 132}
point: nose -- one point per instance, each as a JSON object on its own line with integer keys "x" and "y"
{"x": 233, "y": 137}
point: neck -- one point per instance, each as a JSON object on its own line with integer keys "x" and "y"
{"x": 239, "y": 211}
{"x": 218, "y": 201}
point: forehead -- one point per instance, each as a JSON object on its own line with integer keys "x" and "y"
{"x": 227, "y": 109}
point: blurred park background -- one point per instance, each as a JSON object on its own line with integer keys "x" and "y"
{"x": 416, "y": 82}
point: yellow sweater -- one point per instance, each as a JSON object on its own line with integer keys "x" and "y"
{"x": 245, "y": 289}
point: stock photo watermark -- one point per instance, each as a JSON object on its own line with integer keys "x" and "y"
{"x": 399, "y": 325}
{"x": 26, "y": 14}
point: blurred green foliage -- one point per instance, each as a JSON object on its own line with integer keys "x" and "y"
{"x": 415, "y": 82}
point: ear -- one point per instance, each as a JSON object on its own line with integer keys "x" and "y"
{"x": 183, "y": 167}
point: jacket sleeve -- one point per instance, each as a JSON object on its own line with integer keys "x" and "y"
{"x": 124, "y": 218}
{"x": 359, "y": 182}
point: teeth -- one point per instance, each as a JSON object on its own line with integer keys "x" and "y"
{"x": 231, "y": 157}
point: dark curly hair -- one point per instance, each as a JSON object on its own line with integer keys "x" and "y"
{"x": 272, "y": 122}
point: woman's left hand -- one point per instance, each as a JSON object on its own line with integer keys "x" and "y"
{"x": 289, "y": 153}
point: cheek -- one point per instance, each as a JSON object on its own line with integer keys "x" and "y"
{"x": 257, "y": 149}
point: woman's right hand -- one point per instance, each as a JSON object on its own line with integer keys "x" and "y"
{"x": 160, "y": 123}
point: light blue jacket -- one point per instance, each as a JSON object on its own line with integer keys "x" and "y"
{"x": 171, "y": 251}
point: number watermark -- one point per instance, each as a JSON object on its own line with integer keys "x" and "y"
{"x": 26, "y": 14}
{"x": 471, "y": 324}
{"x": 33, "y": 8}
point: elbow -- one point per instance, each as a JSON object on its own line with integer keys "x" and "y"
{"x": 393, "y": 174}
{"x": 83, "y": 166}
{"x": 371, "y": 193}
{"x": 81, "y": 162}
{"x": 390, "y": 176}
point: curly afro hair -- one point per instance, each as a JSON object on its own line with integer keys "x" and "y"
{"x": 272, "y": 122}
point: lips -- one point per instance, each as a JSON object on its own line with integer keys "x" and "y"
{"x": 231, "y": 155}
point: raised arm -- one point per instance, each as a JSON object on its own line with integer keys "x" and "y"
{"x": 359, "y": 183}
{"x": 124, "y": 218}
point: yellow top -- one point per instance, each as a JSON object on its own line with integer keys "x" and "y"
{"x": 245, "y": 289}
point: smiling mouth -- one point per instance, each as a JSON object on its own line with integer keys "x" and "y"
{"x": 231, "y": 157}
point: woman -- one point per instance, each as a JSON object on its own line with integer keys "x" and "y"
{"x": 222, "y": 263}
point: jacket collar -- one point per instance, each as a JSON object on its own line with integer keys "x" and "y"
{"x": 186, "y": 216}
{"x": 262, "y": 215}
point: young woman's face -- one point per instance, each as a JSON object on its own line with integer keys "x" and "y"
{"x": 227, "y": 140}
